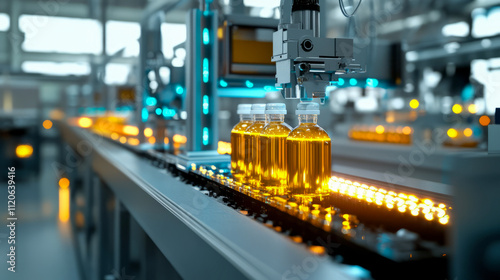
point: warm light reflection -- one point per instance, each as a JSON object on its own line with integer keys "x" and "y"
{"x": 484, "y": 120}
{"x": 148, "y": 132}
{"x": 85, "y": 122}
{"x": 452, "y": 133}
{"x": 468, "y": 132}
{"x": 133, "y": 141}
{"x": 180, "y": 139}
{"x": 380, "y": 133}
{"x": 47, "y": 124}
{"x": 457, "y": 108}
{"x": 380, "y": 129}
{"x": 64, "y": 183}
{"x": 24, "y": 151}
{"x": 123, "y": 140}
{"x": 390, "y": 199}
{"x": 64, "y": 199}
{"x": 152, "y": 140}
{"x": 472, "y": 108}
{"x": 414, "y": 103}
{"x": 224, "y": 148}
{"x": 130, "y": 130}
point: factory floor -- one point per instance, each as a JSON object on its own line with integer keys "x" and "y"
{"x": 44, "y": 245}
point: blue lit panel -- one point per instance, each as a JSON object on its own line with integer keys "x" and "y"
{"x": 158, "y": 111}
{"x": 372, "y": 82}
{"x": 341, "y": 82}
{"x": 249, "y": 84}
{"x": 205, "y": 136}
{"x": 223, "y": 83}
{"x": 206, "y": 36}
{"x": 353, "y": 82}
{"x": 205, "y": 70}
{"x": 179, "y": 90}
{"x": 145, "y": 114}
{"x": 205, "y": 104}
{"x": 151, "y": 101}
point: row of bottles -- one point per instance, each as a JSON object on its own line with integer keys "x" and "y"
{"x": 268, "y": 154}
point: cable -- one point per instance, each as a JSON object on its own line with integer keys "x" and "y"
{"x": 344, "y": 11}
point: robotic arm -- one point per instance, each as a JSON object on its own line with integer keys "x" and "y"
{"x": 305, "y": 62}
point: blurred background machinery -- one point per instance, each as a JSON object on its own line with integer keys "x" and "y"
{"x": 117, "y": 115}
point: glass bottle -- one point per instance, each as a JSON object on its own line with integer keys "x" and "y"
{"x": 308, "y": 153}
{"x": 252, "y": 148}
{"x": 237, "y": 140}
{"x": 273, "y": 173}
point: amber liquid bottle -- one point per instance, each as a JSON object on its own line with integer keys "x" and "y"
{"x": 238, "y": 142}
{"x": 252, "y": 144}
{"x": 273, "y": 172}
{"x": 308, "y": 153}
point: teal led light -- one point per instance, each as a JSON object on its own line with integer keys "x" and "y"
{"x": 353, "y": 82}
{"x": 168, "y": 113}
{"x": 206, "y": 36}
{"x": 179, "y": 90}
{"x": 145, "y": 114}
{"x": 372, "y": 82}
{"x": 158, "y": 111}
{"x": 270, "y": 88}
{"x": 151, "y": 101}
{"x": 341, "y": 82}
{"x": 223, "y": 83}
{"x": 249, "y": 84}
{"x": 205, "y": 136}
{"x": 205, "y": 70}
{"x": 205, "y": 104}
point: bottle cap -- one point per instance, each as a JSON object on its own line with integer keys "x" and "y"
{"x": 258, "y": 109}
{"x": 276, "y": 108}
{"x": 307, "y": 108}
{"x": 244, "y": 109}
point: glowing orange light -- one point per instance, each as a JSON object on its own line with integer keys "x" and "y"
{"x": 472, "y": 108}
{"x": 130, "y": 130}
{"x": 452, "y": 133}
{"x": 406, "y": 130}
{"x": 166, "y": 141}
{"x": 379, "y": 129}
{"x": 64, "y": 183}
{"x": 47, "y": 124}
{"x": 133, "y": 141}
{"x": 468, "y": 132}
{"x": 148, "y": 132}
{"x": 457, "y": 108}
{"x": 484, "y": 120}
{"x": 85, "y": 122}
{"x": 152, "y": 140}
{"x": 115, "y": 136}
{"x": 123, "y": 140}
{"x": 414, "y": 103}
{"x": 180, "y": 139}
{"x": 220, "y": 33}
{"x": 24, "y": 151}
{"x": 63, "y": 205}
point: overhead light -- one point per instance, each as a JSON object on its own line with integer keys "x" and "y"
{"x": 4, "y": 22}
{"x": 55, "y": 68}
{"x": 457, "y": 29}
{"x": 262, "y": 3}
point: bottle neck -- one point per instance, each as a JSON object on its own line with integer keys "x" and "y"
{"x": 246, "y": 117}
{"x": 308, "y": 119}
{"x": 275, "y": 118}
{"x": 259, "y": 118}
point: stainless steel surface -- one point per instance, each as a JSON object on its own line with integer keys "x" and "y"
{"x": 201, "y": 237}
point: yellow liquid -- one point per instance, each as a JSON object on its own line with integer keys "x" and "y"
{"x": 238, "y": 148}
{"x": 252, "y": 152}
{"x": 272, "y": 160}
{"x": 309, "y": 159}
